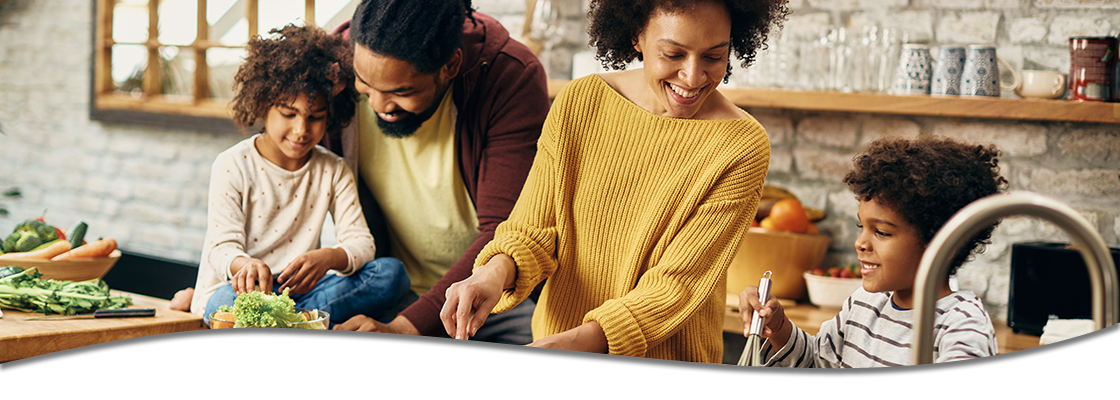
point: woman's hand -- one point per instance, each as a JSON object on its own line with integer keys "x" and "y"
{"x": 306, "y": 270}
{"x": 250, "y": 273}
{"x": 777, "y": 325}
{"x": 588, "y": 337}
{"x": 470, "y": 301}
{"x": 374, "y": 353}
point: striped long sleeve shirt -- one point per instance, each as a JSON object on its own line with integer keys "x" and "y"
{"x": 871, "y": 332}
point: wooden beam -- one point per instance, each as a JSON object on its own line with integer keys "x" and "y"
{"x": 153, "y": 76}
{"x": 201, "y": 68}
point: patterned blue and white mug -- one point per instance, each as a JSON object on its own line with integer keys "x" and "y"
{"x": 913, "y": 74}
{"x": 981, "y": 72}
{"x": 947, "y": 71}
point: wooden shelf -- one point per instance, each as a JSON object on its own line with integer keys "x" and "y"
{"x": 941, "y": 106}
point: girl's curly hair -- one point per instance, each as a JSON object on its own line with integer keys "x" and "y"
{"x": 295, "y": 60}
{"x": 614, "y": 26}
{"x": 926, "y": 181}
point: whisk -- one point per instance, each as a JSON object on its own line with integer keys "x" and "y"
{"x": 751, "y": 352}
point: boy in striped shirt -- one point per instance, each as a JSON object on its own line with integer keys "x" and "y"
{"x": 907, "y": 189}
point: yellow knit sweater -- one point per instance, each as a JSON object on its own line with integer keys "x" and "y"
{"x": 633, "y": 218}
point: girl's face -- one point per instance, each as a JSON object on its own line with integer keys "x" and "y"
{"x": 292, "y": 128}
{"x": 685, "y": 57}
{"x": 889, "y": 251}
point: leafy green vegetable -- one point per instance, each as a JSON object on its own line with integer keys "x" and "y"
{"x": 26, "y": 292}
{"x": 267, "y": 310}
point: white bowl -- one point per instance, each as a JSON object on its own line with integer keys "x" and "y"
{"x": 829, "y": 292}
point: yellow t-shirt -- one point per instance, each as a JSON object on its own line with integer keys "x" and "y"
{"x": 429, "y": 213}
{"x": 633, "y": 218}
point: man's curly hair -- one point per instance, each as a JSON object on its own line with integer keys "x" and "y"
{"x": 614, "y": 26}
{"x": 424, "y": 33}
{"x": 295, "y": 60}
{"x": 926, "y": 181}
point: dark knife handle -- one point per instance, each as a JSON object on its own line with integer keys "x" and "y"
{"x": 125, "y": 313}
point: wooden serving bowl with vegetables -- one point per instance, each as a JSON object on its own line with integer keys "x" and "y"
{"x": 58, "y": 255}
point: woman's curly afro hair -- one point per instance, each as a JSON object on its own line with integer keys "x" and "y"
{"x": 926, "y": 181}
{"x": 614, "y": 26}
{"x": 295, "y": 60}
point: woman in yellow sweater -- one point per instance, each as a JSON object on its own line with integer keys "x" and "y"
{"x": 643, "y": 185}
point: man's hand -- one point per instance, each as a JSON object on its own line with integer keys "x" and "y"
{"x": 374, "y": 353}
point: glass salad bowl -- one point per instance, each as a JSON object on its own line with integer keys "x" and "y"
{"x": 316, "y": 319}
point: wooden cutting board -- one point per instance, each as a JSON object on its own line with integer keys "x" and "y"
{"x": 22, "y": 339}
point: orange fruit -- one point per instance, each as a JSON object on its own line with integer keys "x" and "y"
{"x": 754, "y": 222}
{"x": 767, "y": 223}
{"x": 813, "y": 230}
{"x": 222, "y": 320}
{"x": 788, "y": 215}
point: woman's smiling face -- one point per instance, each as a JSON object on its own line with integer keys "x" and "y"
{"x": 684, "y": 57}
{"x": 889, "y": 250}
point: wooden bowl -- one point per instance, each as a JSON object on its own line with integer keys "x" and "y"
{"x": 787, "y": 255}
{"x": 79, "y": 269}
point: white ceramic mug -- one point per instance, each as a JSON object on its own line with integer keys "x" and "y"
{"x": 1041, "y": 84}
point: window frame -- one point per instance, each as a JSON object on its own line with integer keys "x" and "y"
{"x": 152, "y": 107}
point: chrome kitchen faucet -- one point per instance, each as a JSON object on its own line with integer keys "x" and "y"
{"x": 980, "y": 213}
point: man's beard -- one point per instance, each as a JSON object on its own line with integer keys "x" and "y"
{"x": 411, "y": 122}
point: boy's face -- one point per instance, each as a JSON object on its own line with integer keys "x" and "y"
{"x": 889, "y": 251}
{"x": 292, "y": 128}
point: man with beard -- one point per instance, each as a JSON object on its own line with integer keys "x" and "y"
{"x": 441, "y": 147}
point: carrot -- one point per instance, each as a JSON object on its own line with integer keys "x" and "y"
{"x": 94, "y": 249}
{"x": 45, "y": 253}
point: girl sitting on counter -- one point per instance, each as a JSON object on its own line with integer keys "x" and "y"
{"x": 907, "y": 189}
{"x": 270, "y": 193}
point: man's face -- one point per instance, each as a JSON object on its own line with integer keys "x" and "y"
{"x": 402, "y": 97}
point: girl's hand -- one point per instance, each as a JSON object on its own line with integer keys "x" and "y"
{"x": 470, "y": 301}
{"x": 772, "y": 311}
{"x": 305, "y": 271}
{"x": 250, "y": 273}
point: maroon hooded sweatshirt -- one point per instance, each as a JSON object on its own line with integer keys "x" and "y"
{"x": 501, "y": 94}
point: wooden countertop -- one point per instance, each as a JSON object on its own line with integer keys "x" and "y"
{"x": 809, "y": 318}
{"x": 22, "y": 339}
{"x": 206, "y": 355}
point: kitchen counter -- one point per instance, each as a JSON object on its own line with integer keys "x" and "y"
{"x": 22, "y": 339}
{"x": 809, "y": 318}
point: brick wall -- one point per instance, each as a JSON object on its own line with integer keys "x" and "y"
{"x": 147, "y": 187}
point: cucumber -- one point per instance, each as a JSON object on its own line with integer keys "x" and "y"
{"x": 77, "y": 233}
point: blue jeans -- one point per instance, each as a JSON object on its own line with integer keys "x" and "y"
{"x": 372, "y": 291}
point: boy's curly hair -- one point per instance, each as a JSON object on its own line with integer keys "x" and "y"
{"x": 424, "y": 33}
{"x": 614, "y": 26}
{"x": 926, "y": 181}
{"x": 295, "y": 60}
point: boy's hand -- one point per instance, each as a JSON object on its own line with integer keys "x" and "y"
{"x": 772, "y": 311}
{"x": 305, "y": 271}
{"x": 249, "y": 273}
